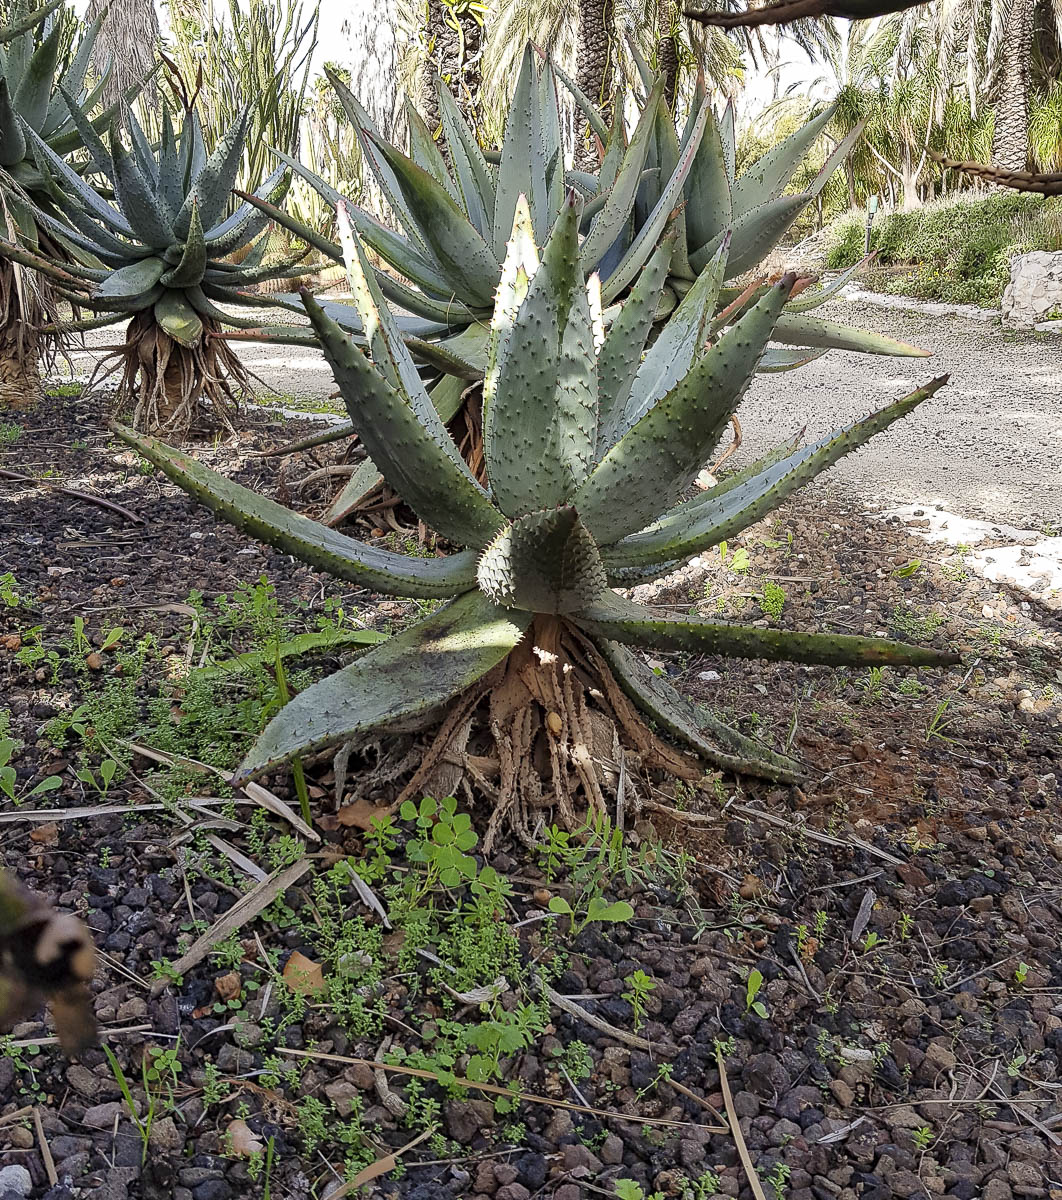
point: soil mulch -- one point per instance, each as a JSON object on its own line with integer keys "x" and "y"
{"x": 901, "y": 908}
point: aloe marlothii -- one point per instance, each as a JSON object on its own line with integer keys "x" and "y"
{"x": 591, "y": 441}
{"x": 456, "y": 211}
{"x": 37, "y": 92}
{"x": 44, "y": 955}
{"x": 163, "y": 244}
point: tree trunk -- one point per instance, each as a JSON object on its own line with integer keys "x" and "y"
{"x": 128, "y": 38}
{"x": 595, "y": 66}
{"x": 20, "y": 375}
{"x": 1010, "y": 141}
{"x": 455, "y": 50}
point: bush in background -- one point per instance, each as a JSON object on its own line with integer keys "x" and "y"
{"x": 956, "y": 250}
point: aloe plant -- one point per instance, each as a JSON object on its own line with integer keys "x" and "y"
{"x": 37, "y": 93}
{"x": 163, "y": 247}
{"x": 44, "y": 955}
{"x": 591, "y": 439}
{"x": 456, "y": 212}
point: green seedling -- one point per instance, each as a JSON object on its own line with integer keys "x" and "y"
{"x": 9, "y": 777}
{"x": 752, "y": 989}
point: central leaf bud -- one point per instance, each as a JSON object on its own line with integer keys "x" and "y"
{"x": 545, "y": 562}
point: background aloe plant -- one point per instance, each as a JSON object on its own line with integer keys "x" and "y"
{"x": 41, "y": 81}
{"x": 456, "y": 210}
{"x": 591, "y": 440}
{"x": 163, "y": 248}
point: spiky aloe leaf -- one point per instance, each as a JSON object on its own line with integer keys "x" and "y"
{"x": 364, "y": 126}
{"x": 129, "y": 282}
{"x": 755, "y": 232}
{"x": 544, "y": 562}
{"x": 189, "y": 271}
{"x": 709, "y": 205}
{"x": 34, "y": 92}
{"x": 689, "y": 722}
{"x": 12, "y": 139}
{"x": 722, "y": 511}
{"x": 773, "y": 360}
{"x": 585, "y": 105}
{"x": 178, "y": 318}
{"x": 800, "y": 330}
{"x": 816, "y": 297}
{"x": 522, "y": 169}
{"x": 138, "y": 200}
{"x": 521, "y": 262}
{"x": 655, "y": 461}
{"x": 77, "y": 188}
{"x": 618, "y": 201}
{"x": 645, "y": 241}
{"x": 364, "y": 480}
{"x": 413, "y": 461}
{"x": 676, "y": 348}
{"x": 247, "y": 222}
{"x": 387, "y": 348}
{"x": 541, "y": 421}
{"x": 306, "y": 540}
{"x": 634, "y": 625}
{"x": 101, "y": 160}
{"x": 766, "y": 179}
{"x": 474, "y": 178}
{"x": 464, "y": 258}
{"x": 412, "y": 672}
{"x": 425, "y": 153}
{"x": 727, "y": 138}
{"x": 214, "y": 179}
{"x": 400, "y": 252}
{"x": 141, "y": 147}
{"x": 625, "y": 340}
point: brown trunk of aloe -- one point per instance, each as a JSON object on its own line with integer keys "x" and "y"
{"x": 20, "y": 311}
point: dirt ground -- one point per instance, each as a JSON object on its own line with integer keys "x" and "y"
{"x": 988, "y": 446}
{"x": 873, "y": 956}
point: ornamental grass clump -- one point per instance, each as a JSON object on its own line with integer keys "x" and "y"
{"x": 526, "y": 681}
{"x": 155, "y": 243}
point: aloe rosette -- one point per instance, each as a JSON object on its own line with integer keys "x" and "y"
{"x": 591, "y": 439}
{"x": 157, "y": 251}
{"x": 441, "y": 269}
{"x": 39, "y": 94}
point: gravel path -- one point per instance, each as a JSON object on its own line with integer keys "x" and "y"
{"x": 988, "y": 446}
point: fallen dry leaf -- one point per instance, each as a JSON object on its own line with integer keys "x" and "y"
{"x": 360, "y": 814}
{"x": 11, "y": 641}
{"x": 93, "y": 661}
{"x": 228, "y": 986}
{"x": 242, "y": 1140}
{"x": 303, "y": 975}
{"x": 45, "y": 835}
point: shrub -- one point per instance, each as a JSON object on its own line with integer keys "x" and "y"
{"x": 954, "y": 250}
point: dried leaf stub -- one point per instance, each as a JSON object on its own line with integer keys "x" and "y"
{"x": 303, "y": 975}
{"x": 361, "y": 814}
{"x": 228, "y": 986}
{"x": 243, "y": 1141}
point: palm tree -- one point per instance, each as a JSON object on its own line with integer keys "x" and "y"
{"x": 127, "y": 40}
{"x": 453, "y": 42}
{"x": 1007, "y": 53}
{"x": 1010, "y": 143}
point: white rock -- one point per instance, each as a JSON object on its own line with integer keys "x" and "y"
{"x": 15, "y": 1179}
{"x": 708, "y": 676}
{"x": 1034, "y": 290}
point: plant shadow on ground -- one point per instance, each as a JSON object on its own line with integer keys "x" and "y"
{"x": 870, "y": 947}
